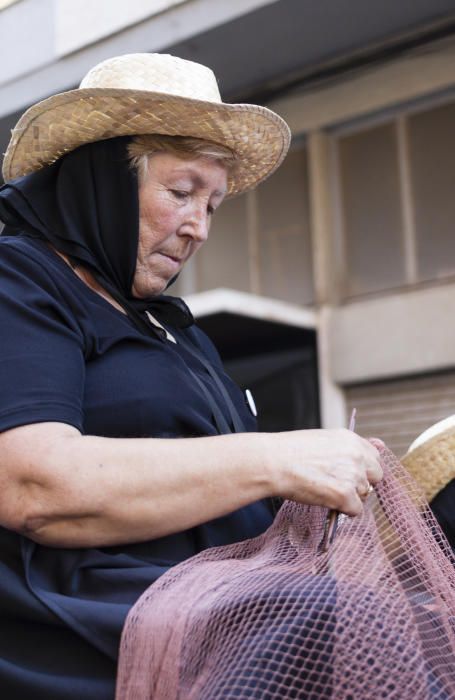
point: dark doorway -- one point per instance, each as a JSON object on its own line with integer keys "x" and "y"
{"x": 277, "y": 362}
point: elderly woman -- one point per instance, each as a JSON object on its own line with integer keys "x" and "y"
{"x": 125, "y": 448}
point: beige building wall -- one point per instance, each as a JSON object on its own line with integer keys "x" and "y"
{"x": 401, "y": 332}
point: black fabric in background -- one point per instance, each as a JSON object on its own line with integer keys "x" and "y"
{"x": 443, "y": 507}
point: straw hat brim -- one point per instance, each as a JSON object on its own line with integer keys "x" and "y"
{"x": 432, "y": 464}
{"x": 63, "y": 122}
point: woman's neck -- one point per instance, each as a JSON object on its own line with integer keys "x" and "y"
{"x": 87, "y": 277}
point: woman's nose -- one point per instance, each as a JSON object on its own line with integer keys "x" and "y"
{"x": 196, "y": 225}
{"x": 202, "y": 230}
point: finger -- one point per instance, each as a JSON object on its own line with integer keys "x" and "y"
{"x": 375, "y": 474}
{"x": 374, "y": 471}
{"x": 371, "y": 461}
{"x": 351, "y": 503}
{"x": 354, "y": 507}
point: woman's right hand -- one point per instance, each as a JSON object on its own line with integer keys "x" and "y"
{"x": 331, "y": 468}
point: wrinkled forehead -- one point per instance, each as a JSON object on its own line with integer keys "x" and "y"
{"x": 203, "y": 172}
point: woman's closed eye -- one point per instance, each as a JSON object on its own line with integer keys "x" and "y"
{"x": 183, "y": 195}
{"x": 180, "y": 194}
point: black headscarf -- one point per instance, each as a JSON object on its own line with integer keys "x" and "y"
{"x": 86, "y": 205}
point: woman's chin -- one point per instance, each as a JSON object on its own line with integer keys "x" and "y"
{"x": 143, "y": 289}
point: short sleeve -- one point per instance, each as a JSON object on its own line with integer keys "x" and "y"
{"x": 42, "y": 367}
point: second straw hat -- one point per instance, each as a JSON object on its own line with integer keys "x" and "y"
{"x": 143, "y": 94}
{"x": 431, "y": 458}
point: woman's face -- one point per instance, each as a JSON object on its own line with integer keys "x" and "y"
{"x": 176, "y": 202}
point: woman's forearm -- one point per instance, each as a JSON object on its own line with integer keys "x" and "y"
{"x": 80, "y": 491}
{"x": 63, "y": 489}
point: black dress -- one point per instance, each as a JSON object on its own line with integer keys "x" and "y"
{"x": 67, "y": 355}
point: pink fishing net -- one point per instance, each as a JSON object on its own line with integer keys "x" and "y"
{"x": 276, "y": 617}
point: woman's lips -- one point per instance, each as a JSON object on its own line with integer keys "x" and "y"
{"x": 172, "y": 259}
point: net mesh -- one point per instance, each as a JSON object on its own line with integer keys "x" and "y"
{"x": 277, "y": 617}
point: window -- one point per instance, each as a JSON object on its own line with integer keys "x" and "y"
{"x": 285, "y": 261}
{"x": 371, "y": 210}
{"x": 397, "y": 200}
{"x": 223, "y": 260}
{"x": 432, "y": 157}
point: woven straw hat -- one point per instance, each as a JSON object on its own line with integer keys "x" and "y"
{"x": 431, "y": 458}
{"x": 144, "y": 94}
